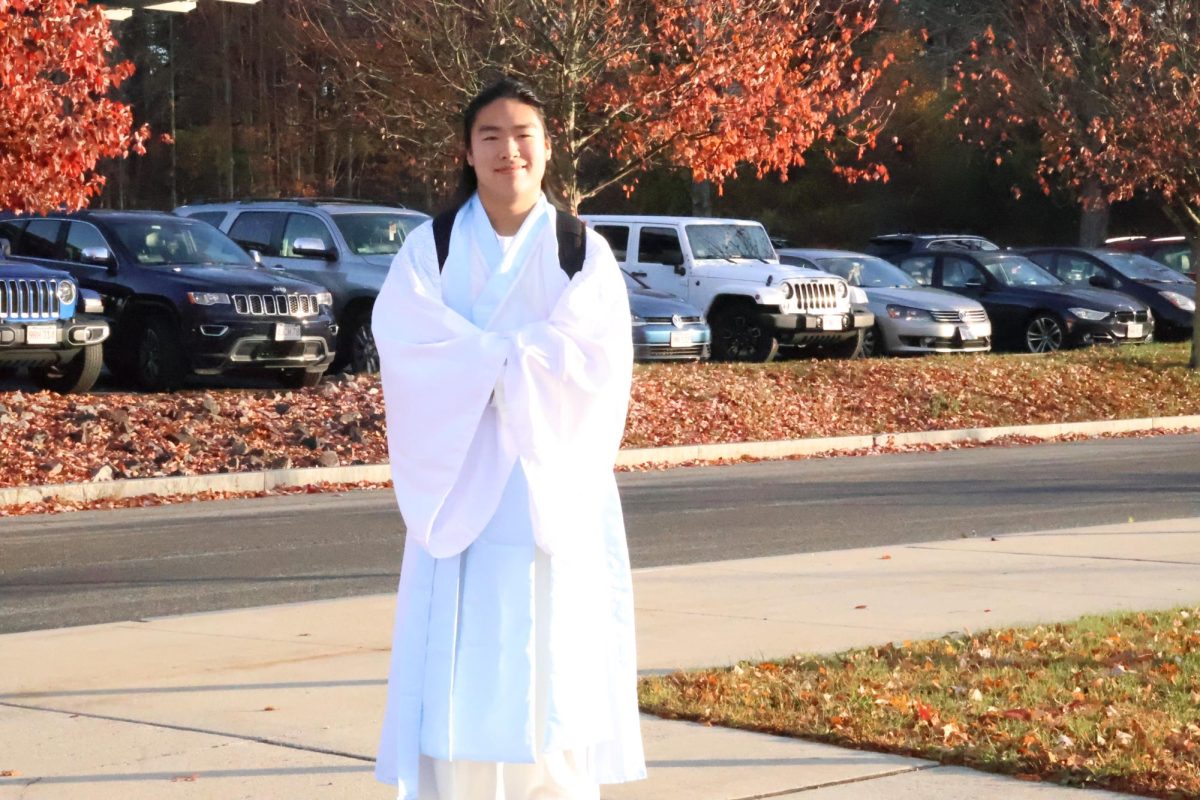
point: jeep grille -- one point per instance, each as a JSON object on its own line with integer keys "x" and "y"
{"x": 276, "y": 305}
{"x": 28, "y": 298}
{"x": 817, "y": 296}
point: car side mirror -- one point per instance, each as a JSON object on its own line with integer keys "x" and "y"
{"x": 312, "y": 247}
{"x": 100, "y": 256}
{"x": 257, "y": 256}
{"x": 1100, "y": 282}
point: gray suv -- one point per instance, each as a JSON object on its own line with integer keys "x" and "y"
{"x": 344, "y": 245}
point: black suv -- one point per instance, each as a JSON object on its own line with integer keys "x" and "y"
{"x": 181, "y": 297}
{"x": 897, "y": 245}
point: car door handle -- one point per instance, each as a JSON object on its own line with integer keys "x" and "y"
{"x": 277, "y": 266}
{"x": 638, "y": 274}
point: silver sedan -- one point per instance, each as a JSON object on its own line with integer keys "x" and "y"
{"x": 909, "y": 318}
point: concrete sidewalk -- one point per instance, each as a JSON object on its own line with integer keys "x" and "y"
{"x": 284, "y": 701}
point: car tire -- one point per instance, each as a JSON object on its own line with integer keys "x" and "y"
{"x": 1044, "y": 333}
{"x": 873, "y": 342}
{"x": 738, "y": 336}
{"x": 849, "y": 348}
{"x": 158, "y": 361}
{"x": 362, "y": 355}
{"x": 76, "y": 376}
{"x": 300, "y": 378}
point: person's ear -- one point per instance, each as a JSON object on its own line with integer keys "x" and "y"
{"x": 470, "y": 158}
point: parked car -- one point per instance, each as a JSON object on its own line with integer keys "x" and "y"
{"x": 1173, "y": 251}
{"x": 895, "y": 245}
{"x": 346, "y": 246}
{"x": 665, "y": 328}
{"x": 728, "y": 270}
{"x": 49, "y": 325}
{"x": 1030, "y": 309}
{"x": 908, "y": 318}
{"x": 181, "y": 297}
{"x": 1170, "y": 295}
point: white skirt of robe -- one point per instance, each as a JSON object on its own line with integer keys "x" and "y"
{"x": 559, "y": 775}
{"x": 556, "y": 775}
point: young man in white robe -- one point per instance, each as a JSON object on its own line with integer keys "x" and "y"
{"x": 506, "y": 381}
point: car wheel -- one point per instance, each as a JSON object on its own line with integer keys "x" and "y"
{"x": 158, "y": 357}
{"x": 77, "y": 375}
{"x": 364, "y": 356}
{"x": 300, "y": 378}
{"x": 737, "y": 335}
{"x": 873, "y": 343}
{"x": 1044, "y": 334}
{"x": 848, "y": 348}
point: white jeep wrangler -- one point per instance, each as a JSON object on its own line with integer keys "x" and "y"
{"x": 728, "y": 269}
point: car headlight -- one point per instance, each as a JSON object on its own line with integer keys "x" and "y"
{"x": 857, "y": 295}
{"x": 907, "y": 314}
{"x": 208, "y": 298}
{"x": 635, "y": 320}
{"x": 66, "y": 292}
{"x": 1180, "y": 301}
{"x": 1090, "y": 314}
{"x": 325, "y": 299}
{"x": 842, "y": 289}
{"x": 788, "y": 290}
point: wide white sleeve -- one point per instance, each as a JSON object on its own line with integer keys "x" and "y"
{"x": 566, "y": 394}
{"x": 438, "y": 371}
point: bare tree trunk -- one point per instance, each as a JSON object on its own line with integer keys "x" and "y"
{"x": 227, "y": 79}
{"x": 1093, "y": 216}
{"x": 702, "y": 198}
{"x": 1194, "y": 242}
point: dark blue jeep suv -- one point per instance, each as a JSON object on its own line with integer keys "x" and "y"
{"x": 50, "y": 326}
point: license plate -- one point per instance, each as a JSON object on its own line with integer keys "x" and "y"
{"x": 287, "y": 332}
{"x": 831, "y": 323}
{"x": 967, "y": 333}
{"x": 681, "y": 338}
{"x": 1133, "y": 330}
{"x": 41, "y": 334}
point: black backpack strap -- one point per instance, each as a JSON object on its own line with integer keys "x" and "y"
{"x": 572, "y": 240}
{"x": 443, "y": 224}
{"x": 572, "y": 243}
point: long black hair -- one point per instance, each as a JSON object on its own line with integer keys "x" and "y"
{"x": 507, "y": 87}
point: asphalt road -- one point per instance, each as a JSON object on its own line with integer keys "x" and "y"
{"x": 89, "y": 567}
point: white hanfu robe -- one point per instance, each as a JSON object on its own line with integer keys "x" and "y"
{"x": 506, "y": 387}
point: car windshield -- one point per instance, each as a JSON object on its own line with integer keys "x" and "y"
{"x": 867, "y": 271}
{"x": 179, "y": 243}
{"x": 1017, "y": 271}
{"x": 633, "y": 283}
{"x": 730, "y": 241}
{"x": 376, "y": 234}
{"x": 1137, "y": 267}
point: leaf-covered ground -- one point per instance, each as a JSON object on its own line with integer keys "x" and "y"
{"x": 1111, "y": 702}
{"x": 47, "y": 438}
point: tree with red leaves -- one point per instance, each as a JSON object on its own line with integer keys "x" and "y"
{"x": 56, "y": 118}
{"x": 1112, "y": 89}
{"x": 630, "y": 84}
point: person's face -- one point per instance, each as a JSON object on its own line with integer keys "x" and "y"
{"x": 508, "y": 150}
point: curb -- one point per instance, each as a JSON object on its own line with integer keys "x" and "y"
{"x": 380, "y": 473}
